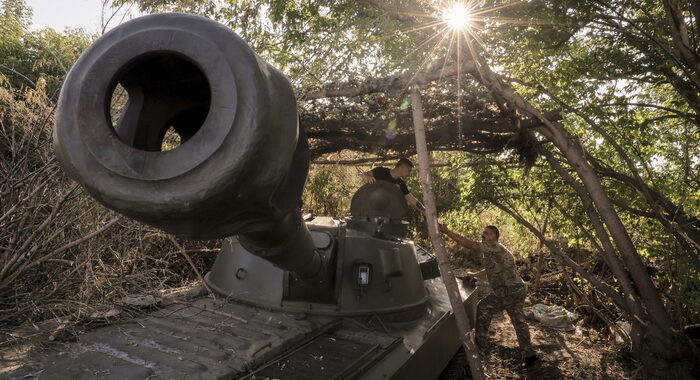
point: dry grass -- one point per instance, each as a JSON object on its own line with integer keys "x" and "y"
{"x": 63, "y": 257}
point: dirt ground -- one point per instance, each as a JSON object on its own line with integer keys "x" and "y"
{"x": 564, "y": 355}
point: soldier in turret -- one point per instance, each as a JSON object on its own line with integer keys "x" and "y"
{"x": 401, "y": 170}
{"x": 509, "y": 290}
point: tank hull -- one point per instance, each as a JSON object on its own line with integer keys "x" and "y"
{"x": 197, "y": 337}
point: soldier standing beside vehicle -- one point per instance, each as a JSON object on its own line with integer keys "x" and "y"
{"x": 509, "y": 290}
{"x": 401, "y": 170}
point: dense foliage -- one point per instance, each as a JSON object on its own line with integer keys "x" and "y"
{"x": 63, "y": 257}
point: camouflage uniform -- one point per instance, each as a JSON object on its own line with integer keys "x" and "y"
{"x": 509, "y": 293}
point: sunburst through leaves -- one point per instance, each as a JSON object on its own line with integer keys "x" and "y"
{"x": 458, "y": 24}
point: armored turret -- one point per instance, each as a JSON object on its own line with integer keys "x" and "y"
{"x": 370, "y": 267}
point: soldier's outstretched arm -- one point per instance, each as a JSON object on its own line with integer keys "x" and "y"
{"x": 461, "y": 240}
{"x": 415, "y": 203}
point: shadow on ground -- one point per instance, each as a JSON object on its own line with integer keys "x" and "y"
{"x": 563, "y": 355}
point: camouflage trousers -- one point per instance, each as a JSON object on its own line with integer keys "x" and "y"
{"x": 512, "y": 300}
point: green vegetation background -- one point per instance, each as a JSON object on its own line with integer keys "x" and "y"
{"x": 596, "y": 69}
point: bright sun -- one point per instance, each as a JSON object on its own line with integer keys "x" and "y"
{"x": 457, "y": 16}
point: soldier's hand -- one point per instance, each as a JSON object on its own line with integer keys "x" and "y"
{"x": 368, "y": 178}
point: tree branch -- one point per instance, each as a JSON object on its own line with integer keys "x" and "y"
{"x": 386, "y": 84}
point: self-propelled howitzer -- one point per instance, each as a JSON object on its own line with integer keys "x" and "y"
{"x": 238, "y": 174}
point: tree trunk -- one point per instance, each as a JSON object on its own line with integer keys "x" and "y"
{"x": 670, "y": 215}
{"x": 540, "y": 257}
{"x": 661, "y": 348}
{"x": 686, "y": 228}
{"x": 466, "y": 333}
{"x": 669, "y": 352}
{"x": 679, "y": 32}
{"x": 632, "y": 302}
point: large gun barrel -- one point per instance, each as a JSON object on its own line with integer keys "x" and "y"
{"x": 242, "y": 161}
